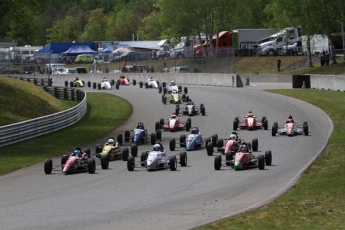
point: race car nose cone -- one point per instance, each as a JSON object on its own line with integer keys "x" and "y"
{"x": 238, "y": 165}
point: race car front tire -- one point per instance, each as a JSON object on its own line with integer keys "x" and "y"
{"x": 183, "y": 159}
{"x": 127, "y": 135}
{"x": 119, "y": 139}
{"x": 153, "y": 138}
{"x": 255, "y": 144}
{"x": 143, "y": 158}
{"x": 218, "y": 162}
{"x": 268, "y": 157}
{"x": 131, "y": 163}
{"x": 134, "y": 150}
{"x": 209, "y": 148}
{"x": 91, "y": 165}
{"x": 182, "y": 141}
{"x": 64, "y": 158}
{"x": 104, "y": 161}
{"x": 173, "y": 163}
{"x": 125, "y": 154}
{"x": 261, "y": 162}
{"x": 172, "y": 144}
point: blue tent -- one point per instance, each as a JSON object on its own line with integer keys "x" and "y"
{"x": 79, "y": 50}
{"x": 108, "y": 49}
{"x": 58, "y": 48}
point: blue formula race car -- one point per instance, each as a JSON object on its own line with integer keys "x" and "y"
{"x": 192, "y": 141}
{"x": 140, "y": 136}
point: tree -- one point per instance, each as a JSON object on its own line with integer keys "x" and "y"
{"x": 95, "y": 29}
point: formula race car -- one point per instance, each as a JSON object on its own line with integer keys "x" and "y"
{"x": 77, "y": 83}
{"x": 173, "y": 124}
{"x": 174, "y": 98}
{"x": 243, "y": 159}
{"x": 78, "y": 161}
{"x": 140, "y": 136}
{"x": 191, "y": 109}
{"x": 290, "y": 129}
{"x": 225, "y": 146}
{"x": 123, "y": 80}
{"x": 151, "y": 83}
{"x": 192, "y": 141}
{"x": 105, "y": 84}
{"x": 250, "y": 123}
{"x": 172, "y": 86}
{"x": 111, "y": 151}
{"x": 157, "y": 159}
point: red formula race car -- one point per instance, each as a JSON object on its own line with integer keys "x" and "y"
{"x": 123, "y": 80}
{"x": 173, "y": 124}
{"x": 250, "y": 122}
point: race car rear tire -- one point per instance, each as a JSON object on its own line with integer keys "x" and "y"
{"x": 131, "y": 163}
{"x": 119, "y": 139}
{"x": 164, "y": 84}
{"x": 237, "y": 119}
{"x": 64, "y": 158}
{"x": 209, "y": 149}
{"x": 261, "y": 162}
{"x": 235, "y": 125}
{"x": 48, "y": 166}
{"x": 88, "y": 152}
{"x": 172, "y": 144}
{"x": 207, "y": 140}
{"x": 99, "y": 85}
{"x": 94, "y": 85}
{"x": 66, "y": 83}
{"x": 89, "y": 84}
{"x": 165, "y": 90}
{"x": 268, "y": 157}
{"x": 263, "y": 119}
{"x": 275, "y": 124}
{"x": 159, "y": 135}
{"x": 218, "y": 162}
{"x": 228, "y": 157}
{"x": 274, "y": 130}
{"x": 214, "y": 139}
{"x": 188, "y": 125}
{"x": 134, "y": 82}
{"x": 157, "y": 126}
{"x": 305, "y": 129}
{"x": 146, "y": 85}
{"x": 71, "y": 84}
{"x": 143, "y": 158}
{"x": 182, "y": 141}
{"x": 127, "y": 135}
{"x": 255, "y": 144}
{"x": 173, "y": 163}
{"x": 185, "y": 90}
{"x": 265, "y": 124}
{"x": 140, "y": 84}
{"x": 117, "y": 86}
{"x": 153, "y": 138}
{"x": 91, "y": 165}
{"x": 187, "y": 98}
{"x": 164, "y": 99}
{"x": 203, "y": 112}
{"x": 104, "y": 161}
{"x": 160, "y": 89}
{"x": 134, "y": 150}
{"x": 125, "y": 154}
{"x": 220, "y": 143}
{"x": 98, "y": 149}
{"x": 183, "y": 159}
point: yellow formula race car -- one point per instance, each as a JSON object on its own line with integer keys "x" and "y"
{"x": 112, "y": 151}
{"x": 77, "y": 83}
{"x": 173, "y": 98}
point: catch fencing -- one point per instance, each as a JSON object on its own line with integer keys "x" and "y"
{"x": 14, "y": 133}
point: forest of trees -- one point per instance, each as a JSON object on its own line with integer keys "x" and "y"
{"x": 38, "y": 22}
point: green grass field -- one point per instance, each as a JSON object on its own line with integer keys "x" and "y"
{"x": 317, "y": 201}
{"x": 99, "y": 120}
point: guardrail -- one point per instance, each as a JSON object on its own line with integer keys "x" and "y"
{"x": 14, "y": 133}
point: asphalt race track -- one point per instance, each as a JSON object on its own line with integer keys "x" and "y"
{"x": 190, "y": 196}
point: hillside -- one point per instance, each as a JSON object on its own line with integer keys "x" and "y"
{"x": 20, "y": 101}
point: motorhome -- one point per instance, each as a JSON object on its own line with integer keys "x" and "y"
{"x": 23, "y": 52}
{"x": 185, "y": 48}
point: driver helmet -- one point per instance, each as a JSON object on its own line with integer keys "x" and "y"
{"x": 195, "y": 130}
{"x": 78, "y": 148}
{"x": 156, "y": 147}
{"x": 77, "y": 153}
{"x": 243, "y": 148}
{"x": 174, "y": 91}
{"x": 111, "y": 141}
{"x": 76, "y": 78}
{"x": 151, "y": 78}
{"x": 140, "y": 125}
{"x": 232, "y": 137}
{"x": 290, "y": 117}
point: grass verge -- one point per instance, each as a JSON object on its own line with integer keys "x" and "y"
{"x": 317, "y": 201}
{"x": 100, "y": 119}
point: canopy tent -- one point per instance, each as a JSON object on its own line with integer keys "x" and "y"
{"x": 109, "y": 49}
{"x": 57, "y": 48}
{"x": 121, "y": 50}
{"x": 79, "y": 50}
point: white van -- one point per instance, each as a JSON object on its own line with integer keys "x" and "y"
{"x": 56, "y": 68}
{"x": 179, "y": 69}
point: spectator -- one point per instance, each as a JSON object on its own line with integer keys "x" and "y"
{"x": 278, "y": 64}
{"x": 327, "y": 58}
{"x": 152, "y": 70}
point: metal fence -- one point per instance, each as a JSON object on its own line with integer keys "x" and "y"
{"x": 14, "y": 133}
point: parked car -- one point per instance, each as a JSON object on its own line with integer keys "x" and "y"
{"x": 130, "y": 56}
{"x": 84, "y": 58}
{"x": 179, "y": 69}
{"x": 77, "y": 70}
